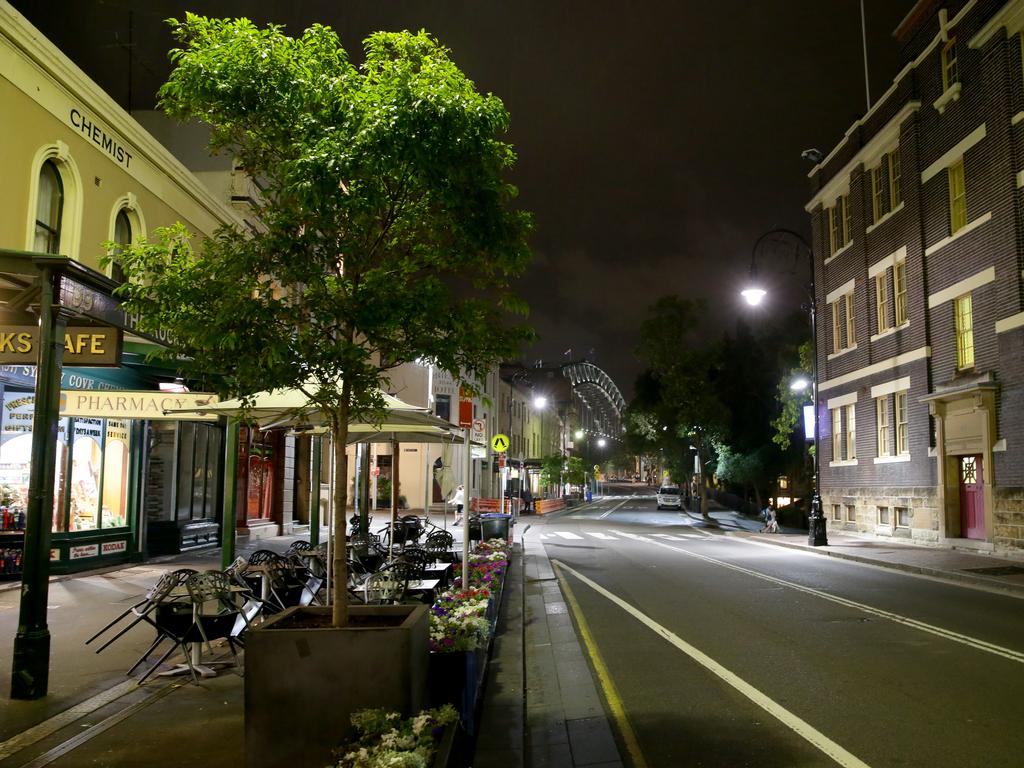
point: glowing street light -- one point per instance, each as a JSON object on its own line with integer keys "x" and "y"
{"x": 817, "y": 535}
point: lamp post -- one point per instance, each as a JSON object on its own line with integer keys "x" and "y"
{"x": 754, "y": 293}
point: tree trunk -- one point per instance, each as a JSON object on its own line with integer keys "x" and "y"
{"x": 339, "y": 438}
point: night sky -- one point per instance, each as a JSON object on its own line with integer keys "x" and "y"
{"x": 657, "y": 140}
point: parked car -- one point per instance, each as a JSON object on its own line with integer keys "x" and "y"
{"x": 669, "y": 496}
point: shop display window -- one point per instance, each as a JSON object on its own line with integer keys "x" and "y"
{"x": 90, "y": 477}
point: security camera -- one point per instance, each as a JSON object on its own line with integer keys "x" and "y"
{"x": 814, "y": 155}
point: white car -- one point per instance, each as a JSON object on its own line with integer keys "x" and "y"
{"x": 669, "y": 496}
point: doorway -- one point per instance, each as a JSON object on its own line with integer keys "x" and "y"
{"x": 972, "y": 497}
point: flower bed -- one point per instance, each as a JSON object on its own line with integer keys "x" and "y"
{"x": 385, "y": 740}
{"x": 462, "y": 623}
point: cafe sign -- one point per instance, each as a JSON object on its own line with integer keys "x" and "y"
{"x": 126, "y": 404}
{"x": 95, "y": 347}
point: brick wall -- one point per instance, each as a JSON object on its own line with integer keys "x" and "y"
{"x": 992, "y": 94}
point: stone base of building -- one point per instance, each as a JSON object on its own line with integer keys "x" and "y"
{"x": 915, "y": 515}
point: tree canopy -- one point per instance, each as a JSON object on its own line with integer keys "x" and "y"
{"x": 385, "y": 231}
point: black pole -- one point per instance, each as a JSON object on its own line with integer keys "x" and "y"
{"x": 817, "y": 534}
{"x": 30, "y": 671}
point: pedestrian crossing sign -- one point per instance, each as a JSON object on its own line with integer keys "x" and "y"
{"x": 499, "y": 443}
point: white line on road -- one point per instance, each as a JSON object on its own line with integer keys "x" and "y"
{"x": 567, "y": 535}
{"x": 617, "y": 506}
{"x": 956, "y": 637}
{"x": 598, "y": 535}
{"x": 799, "y": 726}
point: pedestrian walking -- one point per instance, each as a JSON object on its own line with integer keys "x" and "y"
{"x": 771, "y": 525}
{"x": 457, "y": 500}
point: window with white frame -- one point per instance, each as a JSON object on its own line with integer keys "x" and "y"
{"x": 844, "y": 430}
{"x": 882, "y": 301}
{"x": 844, "y": 329}
{"x": 902, "y": 423}
{"x": 957, "y": 197}
{"x": 851, "y": 329}
{"x": 950, "y": 71}
{"x": 837, "y": 434}
{"x": 877, "y": 203}
{"x": 886, "y": 191}
{"x": 851, "y": 432}
{"x": 851, "y": 513}
{"x": 837, "y": 330}
{"x": 902, "y": 515}
{"x": 882, "y": 425}
{"x": 964, "y": 332}
{"x": 895, "y": 190}
{"x": 840, "y": 220}
{"x": 883, "y": 516}
{"x": 899, "y": 289}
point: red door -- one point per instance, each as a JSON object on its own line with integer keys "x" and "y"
{"x": 972, "y": 499}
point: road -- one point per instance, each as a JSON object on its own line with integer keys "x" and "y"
{"x": 724, "y": 651}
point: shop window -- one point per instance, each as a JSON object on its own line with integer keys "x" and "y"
{"x": 86, "y": 460}
{"x": 114, "y": 512}
{"x": 90, "y": 474}
{"x": 49, "y": 209}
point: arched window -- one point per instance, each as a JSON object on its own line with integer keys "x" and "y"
{"x": 123, "y": 238}
{"x": 49, "y": 209}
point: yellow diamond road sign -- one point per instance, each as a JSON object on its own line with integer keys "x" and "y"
{"x": 499, "y": 443}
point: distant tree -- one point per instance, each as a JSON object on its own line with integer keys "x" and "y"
{"x": 791, "y": 402}
{"x": 551, "y": 469}
{"x": 685, "y": 368}
{"x": 575, "y": 471}
{"x": 384, "y": 235}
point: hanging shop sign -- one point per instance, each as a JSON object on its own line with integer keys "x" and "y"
{"x": 96, "y": 347}
{"x": 126, "y": 404}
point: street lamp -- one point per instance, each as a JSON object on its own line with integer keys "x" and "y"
{"x": 754, "y": 294}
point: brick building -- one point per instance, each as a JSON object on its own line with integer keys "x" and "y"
{"x": 917, "y": 226}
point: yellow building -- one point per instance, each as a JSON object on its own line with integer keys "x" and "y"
{"x": 79, "y": 171}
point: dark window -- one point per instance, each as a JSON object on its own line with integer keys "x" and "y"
{"x": 443, "y": 407}
{"x": 49, "y": 208}
{"x": 123, "y": 238}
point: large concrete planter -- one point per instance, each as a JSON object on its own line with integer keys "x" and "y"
{"x": 303, "y": 682}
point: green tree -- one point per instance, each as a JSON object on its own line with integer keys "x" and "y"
{"x": 551, "y": 469}
{"x": 575, "y": 471}
{"x": 385, "y": 230}
{"x": 791, "y": 401}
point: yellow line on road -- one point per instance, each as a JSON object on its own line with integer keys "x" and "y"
{"x": 608, "y": 686}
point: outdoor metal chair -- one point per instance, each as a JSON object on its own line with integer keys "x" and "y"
{"x": 439, "y": 545}
{"x": 212, "y": 615}
{"x": 156, "y": 596}
{"x": 387, "y": 586}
